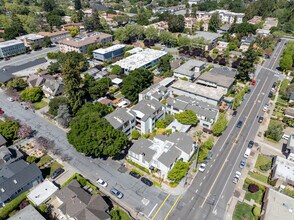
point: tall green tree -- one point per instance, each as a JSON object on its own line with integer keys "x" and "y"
{"x": 187, "y": 117}
{"x": 15, "y": 29}
{"x": 178, "y": 172}
{"x": 55, "y": 103}
{"x": 286, "y": 62}
{"x": 214, "y": 23}
{"x": 176, "y": 23}
{"x": 18, "y": 84}
{"x": 78, "y": 4}
{"x": 32, "y": 94}
{"x": 9, "y": 130}
{"x": 49, "y": 5}
{"x": 220, "y": 125}
{"x": 246, "y": 65}
{"x": 96, "y": 88}
{"x": 151, "y": 33}
{"x": 275, "y": 130}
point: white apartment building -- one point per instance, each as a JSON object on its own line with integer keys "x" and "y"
{"x": 283, "y": 171}
{"x": 55, "y": 36}
{"x": 11, "y": 48}
{"x": 224, "y": 15}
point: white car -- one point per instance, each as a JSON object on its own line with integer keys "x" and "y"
{"x": 265, "y": 107}
{"x": 10, "y": 99}
{"x": 285, "y": 137}
{"x": 237, "y": 177}
{"x": 102, "y": 183}
{"x": 202, "y": 167}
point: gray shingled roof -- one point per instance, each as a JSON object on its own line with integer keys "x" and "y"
{"x": 55, "y": 85}
{"x": 169, "y": 157}
{"x": 148, "y": 108}
{"x": 225, "y": 71}
{"x": 118, "y": 117}
{"x": 20, "y": 171}
{"x": 187, "y": 68}
{"x": 220, "y": 77}
{"x": 142, "y": 147}
{"x": 183, "y": 141}
{"x": 2, "y": 140}
{"x": 27, "y": 213}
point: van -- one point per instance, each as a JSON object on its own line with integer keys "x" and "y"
{"x": 247, "y": 153}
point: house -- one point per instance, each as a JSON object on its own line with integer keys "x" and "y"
{"x": 290, "y": 148}
{"x": 81, "y": 42}
{"x": 105, "y": 101}
{"x": 276, "y": 206}
{"x": 67, "y": 26}
{"x": 211, "y": 38}
{"x": 289, "y": 112}
{"x": 109, "y": 53}
{"x": 27, "y": 213}
{"x": 30, "y": 40}
{"x": 162, "y": 152}
{"x": 11, "y": 48}
{"x": 147, "y": 112}
{"x": 9, "y": 155}
{"x": 291, "y": 99}
{"x": 176, "y": 126}
{"x": 146, "y": 59}
{"x": 98, "y": 7}
{"x": 75, "y": 203}
{"x": 38, "y": 80}
{"x": 42, "y": 192}
{"x": 199, "y": 92}
{"x": 122, "y": 119}
{"x": 218, "y": 77}
{"x": 255, "y": 20}
{"x": 224, "y": 28}
{"x": 270, "y": 22}
{"x": 190, "y": 70}
{"x": 55, "y": 36}
{"x": 222, "y": 46}
{"x": 244, "y": 47}
{"x": 16, "y": 178}
{"x": 263, "y": 32}
{"x": 190, "y": 22}
{"x": 282, "y": 172}
{"x": 156, "y": 91}
{"x": 206, "y": 113}
{"x": 52, "y": 88}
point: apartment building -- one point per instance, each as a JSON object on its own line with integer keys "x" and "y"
{"x": 190, "y": 70}
{"x": 11, "y": 48}
{"x": 109, "y": 53}
{"x": 55, "y": 36}
{"x": 224, "y": 15}
{"x": 32, "y": 39}
{"x": 156, "y": 91}
{"x": 81, "y": 42}
{"x": 282, "y": 172}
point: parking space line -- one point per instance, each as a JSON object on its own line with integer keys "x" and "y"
{"x": 164, "y": 201}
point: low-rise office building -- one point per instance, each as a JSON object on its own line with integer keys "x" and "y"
{"x": 55, "y": 36}
{"x": 162, "y": 152}
{"x": 109, "y": 53}
{"x": 31, "y": 40}
{"x": 206, "y": 113}
{"x": 211, "y": 38}
{"x": 142, "y": 59}
{"x": 81, "y": 42}
{"x": 283, "y": 172}
{"x": 11, "y": 48}
{"x": 190, "y": 70}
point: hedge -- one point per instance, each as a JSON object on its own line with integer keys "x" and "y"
{"x": 157, "y": 184}
{"x": 138, "y": 166}
{"x": 137, "y": 171}
{"x": 9, "y": 207}
{"x": 82, "y": 181}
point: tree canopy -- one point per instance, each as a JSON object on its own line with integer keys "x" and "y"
{"x": 178, "y": 172}
{"x": 220, "y": 125}
{"x": 176, "y": 23}
{"x": 246, "y": 65}
{"x": 9, "y": 130}
{"x": 18, "y": 84}
{"x": 275, "y": 130}
{"x": 214, "y": 23}
{"x": 32, "y": 94}
{"x": 55, "y": 103}
{"x": 187, "y": 117}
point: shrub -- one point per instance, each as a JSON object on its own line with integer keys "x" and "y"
{"x": 160, "y": 124}
{"x": 138, "y": 166}
{"x": 31, "y": 159}
{"x": 43, "y": 208}
{"x": 82, "y": 180}
{"x": 265, "y": 167}
{"x": 135, "y": 134}
{"x": 253, "y": 188}
{"x": 137, "y": 171}
{"x": 9, "y": 207}
{"x": 157, "y": 184}
{"x": 256, "y": 211}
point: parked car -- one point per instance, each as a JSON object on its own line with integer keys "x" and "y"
{"x": 265, "y": 107}
{"x": 57, "y": 173}
{"x": 235, "y": 113}
{"x": 102, "y": 183}
{"x": 274, "y": 84}
{"x": 146, "y": 181}
{"x": 285, "y": 137}
{"x": 117, "y": 193}
{"x": 10, "y": 99}
{"x": 236, "y": 177}
{"x": 239, "y": 124}
{"x": 134, "y": 174}
{"x": 242, "y": 164}
{"x": 248, "y": 91}
{"x": 202, "y": 167}
{"x": 270, "y": 95}
{"x": 260, "y": 119}
{"x": 250, "y": 144}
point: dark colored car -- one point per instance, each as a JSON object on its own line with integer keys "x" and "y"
{"x": 234, "y": 113}
{"x": 260, "y": 119}
{"x": 270, "y": 95}
{"x": 57, "y": 173}
{"x": 249, "y": 90}
{"x": 239, "y": 124}
{"x": 134, "y": 174}
{"x": 274, "y": 85}
{"x": 117, "y": 193}
{"x": 250, "y": 144}
{"x": 242, "y": 164}
{"x": 146, "y": 181}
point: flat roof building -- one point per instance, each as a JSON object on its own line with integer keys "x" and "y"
{"x": 109, "y": 53}
{"x": 11, "y": 48}
{"x": 144, "y": 59}
{"x": 56, "y": 36}
{"x": 190, "y": 70}
{"x": 283, "y": 171}
{"x": 30, "y": 40}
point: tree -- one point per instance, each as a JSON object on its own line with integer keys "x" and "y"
{"x": 63, "y": 117}
{"x": 178, "y": 172}
{"x": 207, "y": 6}
{"x": 24, "y": 131}
{"x": 246, "y": 65}
{"x": 55, "y": 103}
{"x": 220, "y": 125}
{"x": 116, "y": 70}
{"x": 208, "y": 144}
{"x": 32, "y": 94}
{"x": 53, "y": 68}
{"x": 286, "y": 62}
{"x": 135, "y": 134}
{"x": 18, "y": 84}
{"x": 275, "y": 130}
{"x": 151, "y": 33}
{"x": 253, "y": 188}
{"x": 160, "y": 124}
{"x": 15, "y": 29}
{"x": 256, "y": 211}
{"x": 54, "y": 19}
{"x": 187, "y": 117}
{"x": 136, "y": 82}
{"x": 92, "y": 23}
{"x": 121, "y": 20}
{"x": 214, "y": 22}
{"x": 9, "y": 130}
{"x": 78, "y": 4}
{"x": 74, "y": 31}
{"x": 288, "y": 91}
{"x": 167, "y": 38}
{"x": 49, "y": 5}
{"x": 176, "y": 23}
{"x": 96, "y": 88}
{"x": 164, "y": 64}
{"x": 243, "y": 28}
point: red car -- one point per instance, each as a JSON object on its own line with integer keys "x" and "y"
{"x": 253, "y": 82}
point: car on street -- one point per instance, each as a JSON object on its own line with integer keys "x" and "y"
{"x": 57, "y": 173}
{"x": 239, "y": 124}
{"x": 134, "y": 174}
{"x": 265, "y": 107}
{"x": 235, "y": 113}
{"x": 270, "y": 95}
{"x": 242, "y": 164}
{"x": 202, "y": 167}
{"x": 25, "y": 107}
{"x": 117, "y": 193}
{"x": 101, "y": 182}
{"x": 274, "y": 84}
{"x": 250, "y": 144}
{"x": 248, "y": 91}
{"x": 236, "y": 177}
{"x": 146, "y": 181}
{"x": 260, "y": 119}
{"x": 10, "y": 99}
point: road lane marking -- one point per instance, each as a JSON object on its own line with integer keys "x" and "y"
{"x": 152, "y": 209}
{"x": 164, "y": 201}
{"x": 200, "y": 184}
{"x": 204, "y": 177}
{"x": 196, "y": 191}
{"x": 205, "y": 198}
{"x": 172, "y": 207}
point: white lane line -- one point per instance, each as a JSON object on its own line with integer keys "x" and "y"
{"x": 152, "y": 209}
{"x": 204, "y": 177}
{"x": 196, "y": 191}
{"x": 200, "y": 184}
{"x": 207, "y": 171}
{"x": 192, "y": 198}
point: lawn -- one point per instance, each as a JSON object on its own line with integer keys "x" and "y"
{"x": 289, "y": 192}
{"x": 39, "y": 105}
{"x": 258, "y": 176}
{"x": 262, "y": 160}
{"x": 45, "y": 159}
{"x": 243, "y": 211}
{"x": 119, "y": 95}
{"x": 257, "y": 196}
{"x": 281, "y": 101}
{"x": 54, "y": 166}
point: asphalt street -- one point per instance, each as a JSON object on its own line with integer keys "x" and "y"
{"x": 210, "y": 192}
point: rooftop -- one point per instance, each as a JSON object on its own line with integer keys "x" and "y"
{"x": 208, "y": 36}
{"x": 147, "y": 107}
{"x": 119, "y": 116}
{"x": 218, "y": 77}
{"x": 140, "y": 59}
{"x": 31, "y": 37}
{"x": 27, "y": 213}
{"x": 283, "y": 169}
{"x": 53, "y": 34}
{"x": 188, "y": 68}
{"x": 142, "y": 146}
{"x": 177, "y": 126}
{"x": 10, "y": 43}
{"x": 42, "y": 192}
{"x": 109, "y": 49}
{"x": 200, "y": 90}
